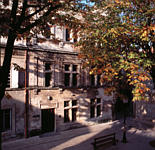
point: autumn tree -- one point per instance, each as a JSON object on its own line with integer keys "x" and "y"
{"x": 118, "y": 42}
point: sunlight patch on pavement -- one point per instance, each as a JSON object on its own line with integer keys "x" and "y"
{"x": 75, "y": 141}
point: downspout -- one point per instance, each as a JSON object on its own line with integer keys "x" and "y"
{"x": 0, "y": 104}
{"x": 26, "y": 94}
{"x": 0, "y": 51}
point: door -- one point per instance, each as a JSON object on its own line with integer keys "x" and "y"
{"x": 48, "y": 120}
{"x": 120, "y": 109}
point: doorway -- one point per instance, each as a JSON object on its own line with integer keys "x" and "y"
{"x": 119, "y": 108}
{"x": 48, "y": 120}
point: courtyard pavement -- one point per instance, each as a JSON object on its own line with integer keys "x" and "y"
{"x": 138, "y": 136}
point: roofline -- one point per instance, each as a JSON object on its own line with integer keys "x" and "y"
{"x": 34, "y": 49}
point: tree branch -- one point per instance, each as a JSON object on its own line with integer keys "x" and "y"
{"x": 37, "y": 11}
{"x": 22, "y": 16}
{"x": 30, "y": 26}
{"x": 13, "y": 13}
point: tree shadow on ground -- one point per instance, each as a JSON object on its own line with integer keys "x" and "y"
{"x": 138, "y": 136}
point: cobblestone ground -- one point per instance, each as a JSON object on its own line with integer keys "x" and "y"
{"x": 138, "y": 137}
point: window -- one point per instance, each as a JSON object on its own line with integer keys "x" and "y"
{"x": 47, "y": 66}
{"x": 48, "y": 74}
{"x": 70, "y": 110}
{"x": 75, "y": 40}
{"x": 98, "y": 110}
{"x": 92, "y": 80}
{"x": 17, "y": 79}
{"x": 66, "y": 103}
{"x": 98, "y": 100}
{"x": 95, "y": 80}
{"x": 74, "y": 75}
{"x": 8, "y": 83}
{"x": 47, "y": 32}
{"x": 74, "y": 114}
{"x": 47, "y": 79}
{"x": 21, "y": 79}
{"x": 74, "y": 68}
{"x": 5, "y": 123}
{"x": 95, "y": 107}
{"x": 67, "y": 67}
{"x": 67, "y": 35}
{"x": 92, "y": 108}
{"x": 98, "y": 80}
{"x": 74, "y": 102}
{"x": 70, "y": 75}
{"x": 74, "y": 79}
{"x": 66, "y": 115}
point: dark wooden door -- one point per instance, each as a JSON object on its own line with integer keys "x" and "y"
{"x": 48, "y": 120}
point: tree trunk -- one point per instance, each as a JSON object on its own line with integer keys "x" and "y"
{"x": 5, "y": 68}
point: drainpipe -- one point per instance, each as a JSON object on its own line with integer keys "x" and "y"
{"x": 26, "y": 94}
{"x": 0, "y": 51}
{"x": 0, "y": 104}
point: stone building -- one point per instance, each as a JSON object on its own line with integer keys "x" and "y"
{"x": 49, "y": 91}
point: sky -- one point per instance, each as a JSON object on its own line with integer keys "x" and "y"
{"x": 87, "y": 2}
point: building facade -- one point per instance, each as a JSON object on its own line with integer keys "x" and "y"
{"x": 49, "y": 91}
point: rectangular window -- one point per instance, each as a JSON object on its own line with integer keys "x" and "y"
{"x": 47, "y": 79}
{"x": 66, "y": 103}
{"x": 66, "y": 115}
{"x": 74, "y": 102}
{"x": 95, "y": 107}
{"x": 75, "y": 40}
{"x": 74, "y": 80}
{"x": 67, "y": 67}
{"x": 21, "y": 79}
{"x": 98, "y": 110}
{"x": 92, "y": 108}
{"x": 47, "y": 32}
{"x": 92, "y": 111}
{"x": 92, "y": 80}
{"x": 98, "y": 80}
{"x": 5, "y": 116}
{"x": 48, "y": 74}
{"x": 74, "y": 68}
{"x": 74, "y": 112}
{"x": 47, "y": 66}
{"x": 70, "y": 110}
{"x": 67, "y": 35}
{"x": 8, "y": 83}
{"x": 70, "y": 75}
{"x": 92, "y": 101}
{"x": 98, "y": 100}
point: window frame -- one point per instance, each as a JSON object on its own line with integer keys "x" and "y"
{"x": 73, "y": 74}
{"x": 67, "y": 35}
{"x": 72, "y": 111}
{"x": 95, "y": 80}
{"x": 9, "y": 80}
{"x": 48, "y": 71}
{"x": 95, "y": 107}
{"x": 4, "y": 122}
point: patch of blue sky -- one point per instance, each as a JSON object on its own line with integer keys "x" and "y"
{"x": 88, "y": 2}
